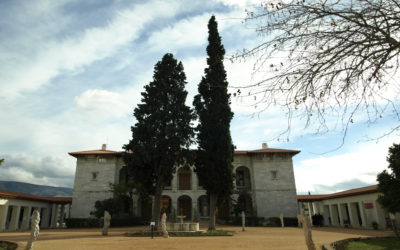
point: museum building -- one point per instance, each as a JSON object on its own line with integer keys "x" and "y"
{"x": 267, "y": 172}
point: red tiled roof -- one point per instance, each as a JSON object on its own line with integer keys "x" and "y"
{"x": 347, "y": 193}
{"x": 22, "y": 196}
{"x": 273, "y": 150}
{"x": 96, "y": 152}
{"x": 237, "y": 152}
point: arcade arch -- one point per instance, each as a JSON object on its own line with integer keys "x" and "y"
{"x": 185, "y": 203}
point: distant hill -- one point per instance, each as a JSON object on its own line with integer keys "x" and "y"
{"x": 39, "y": 190}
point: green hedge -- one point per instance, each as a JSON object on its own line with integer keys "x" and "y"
{"x": 94, "y": 222}
{"x": 258, "y": 221}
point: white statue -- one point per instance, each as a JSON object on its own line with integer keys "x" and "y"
{"x": 283, "y": 225}
{"x": 305, "y": 220}
{"x": 35, "y": 219}
{"x": 164, "y": 226}
{"x": 243, "y": 221}
{"x": 107, "y": 219}
{"x": 298, "y": 219}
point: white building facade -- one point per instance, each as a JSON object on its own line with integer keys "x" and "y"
{"x": 267, "y": 172}
{"x": 359, "y": 207}
{"x": 16, "y": 209}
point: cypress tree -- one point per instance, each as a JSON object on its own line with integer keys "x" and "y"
{"x": 162, "y": 135}
{"x": 214, "y": 157}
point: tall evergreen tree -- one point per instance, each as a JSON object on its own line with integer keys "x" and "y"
{"x": 213, "y": 162}
{"x": 389, "y": 183}
{"x": 162, "y": 135}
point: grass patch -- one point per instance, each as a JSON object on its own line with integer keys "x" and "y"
{"x": 375, "y": 244}
{"x": 7, "y": 246}
{"x": 182, "y": 234}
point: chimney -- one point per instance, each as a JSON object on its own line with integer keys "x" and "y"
{"x": 104, "y": 147}
{"x": 264, "y": 145}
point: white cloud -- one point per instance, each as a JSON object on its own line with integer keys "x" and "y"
{"x": 74, "y": 53}
{"x": 48, "y": 170}
{"x": 332, "y": 173}
{"x": 102, "y": 104}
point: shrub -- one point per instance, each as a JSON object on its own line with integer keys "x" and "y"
{"x": 259, "y": 221}
{"x": 94, "y": 222}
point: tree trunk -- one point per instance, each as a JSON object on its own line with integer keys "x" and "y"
{"x": 213, "y": 202}
{"x": 157, "y": 201}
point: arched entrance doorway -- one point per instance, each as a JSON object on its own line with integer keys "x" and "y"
{"x": 185, "y": 203}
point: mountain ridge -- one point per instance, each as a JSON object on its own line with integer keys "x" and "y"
{"x": 34, "y": 189}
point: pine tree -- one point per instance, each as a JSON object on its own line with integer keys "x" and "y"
{"x": 214, "y": 157}
{"x": 163, "y": 134}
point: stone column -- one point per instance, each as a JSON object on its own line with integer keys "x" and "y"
{"x": 175, "y": 182}
{"x": 45, "y": 217}
{"x": 380, "y": 215}
{"x": 342, "y": 213}
{"x": 54, "y": 212}
{"x": 194, "y": 205}
{"x": 3, "y": 217}
{"x": 331, "y": 215}
{"x": 62, "y": 216}
{"x": 14, "y": 218}
{"x": 300, "y": 206}
{"x": 362, "y": 214}
{"x": 310, "y": 210}
{"x": 174, "y": 205}
{"x": 194, "y": 181}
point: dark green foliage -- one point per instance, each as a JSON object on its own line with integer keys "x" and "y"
{"x": 389, "y": 183}
{"x": 213, "y": 162}
{"x": 94, "y": 222}
{"x": 258, "y": 221}
{"x": 124, "y": 191}
{"x": 83, "y": 222}
{"x": 8, "y": 245}
{"x": 163, "y": 134}
{"x": 110, "y": 205}
{"x": 1, "y": 161}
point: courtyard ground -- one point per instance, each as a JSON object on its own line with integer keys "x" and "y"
{"x": 252, "y": 238}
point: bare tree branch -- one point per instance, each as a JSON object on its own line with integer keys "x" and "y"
{"x": 325, "y": 58}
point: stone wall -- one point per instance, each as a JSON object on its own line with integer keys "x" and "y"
{"x": 87, "y": 190}
{"x": 274, "y": 196}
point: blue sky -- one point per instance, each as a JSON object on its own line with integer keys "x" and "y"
{"x": 71, "y": 73}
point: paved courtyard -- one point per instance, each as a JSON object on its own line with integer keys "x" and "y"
{"x": 252, "y": 238}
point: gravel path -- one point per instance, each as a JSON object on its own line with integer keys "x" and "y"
{"x": 252, "y": 238}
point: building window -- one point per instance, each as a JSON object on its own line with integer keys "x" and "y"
{"x": 239, "y": 178}
{"x": 102, "y": 160}
{"x": 278, "y": 158}
{"x": 94, "y": 176}
{"x": 274, "y": 174}
{"x": 266, "y": 159}
{"x": 90, "y": 158}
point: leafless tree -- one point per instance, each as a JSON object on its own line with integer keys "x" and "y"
{"x": 325, "y": 58}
